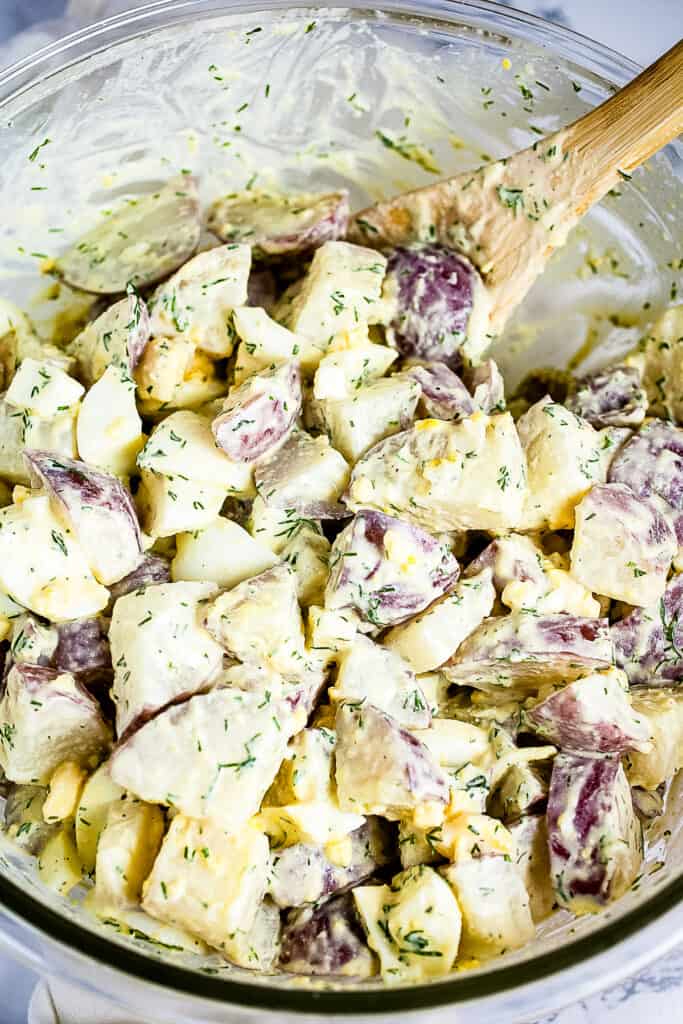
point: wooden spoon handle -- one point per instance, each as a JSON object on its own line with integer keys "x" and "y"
{"x": 628, "y": 128}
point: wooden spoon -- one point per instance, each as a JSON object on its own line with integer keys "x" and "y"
{"x": 508, "y": 217}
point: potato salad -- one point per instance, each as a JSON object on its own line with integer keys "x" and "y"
{"x": 317, "y": 651}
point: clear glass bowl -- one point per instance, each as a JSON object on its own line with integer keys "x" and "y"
{"x": 259, "y": 92}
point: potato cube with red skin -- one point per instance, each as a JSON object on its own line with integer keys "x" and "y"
{"x": 443, "y": 395}
{"x": 140, "y": 243}
{"x": 382, "y": 768}
{"x": 434, "y": 292}
{"x": 623, "y": 545}
{"x": 387, "y": 570}
{"x": 591, "y": 715}
{"x": 651, "y": 465}
{"x": 279, "y": 225}
{"x": 432, "y": 637}
{"x": 196, "y": 301}
{"x": 648, "y": 642}
{"x": 46, "y": 717}
{"x": 326, "y": 940}
{"x": 118, "y": 337}
{"x": 233, "y": 764}
{"x": 522, "y": 651}
{"x": 259, "y": 621}
{"x": 595, "y": 838}
{"x": 160, "y": 649}
{"x": 367, "y": 671}
{"x": 612, "y": 397}
{"x": 446, "y": 476}
{"x": 258, "y": 414}
{"x": 304, "y": 873}
{"x": 96, "y": 507}
{"x": 305, "y": 474}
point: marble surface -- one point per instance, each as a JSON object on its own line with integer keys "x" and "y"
{"x": 657, "y": 992}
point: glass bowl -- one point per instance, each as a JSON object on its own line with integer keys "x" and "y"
{"x": 324, "y": 96}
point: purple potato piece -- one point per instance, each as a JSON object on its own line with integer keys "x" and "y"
{"x": 444, "y": 396}
{"x": 594, "y": 837}
{"x": 83, "y": 650}
{"x": 363, "y": 575}
{"x": 259, "y": 414}
{"x": 648, "y": 643}
{"x": 141, "y": 243}
{"x": 151, "y": 569}
{"x": 523, "y": 650}
{"x": 382, "y": 768}
{"x": 434, "y": 289}
{"x": 488, "y": 387}
{"x": 591, "y": 715}
{"x": 47, "y": 717}
{"x": 623, "y": 545}
{"x": 613, "y": 397}
{"x": 303, "y": 874}
{"x": 651, "y": 465}
{"x": 305, "y": 475}
{"x": 276, "y": 225}
{"x": 262, "y": 289}
{"x": 98, "y": 509}
{"x": 118, "y": 337}
{"x": 327, "y": 940}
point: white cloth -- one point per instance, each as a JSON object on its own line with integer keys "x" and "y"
{"x": 55, "y": 1001}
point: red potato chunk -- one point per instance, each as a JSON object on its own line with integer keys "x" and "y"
{"x": 591, "y": 715}
{"x": 277, "y": 225}
{"x": 83, "y": 650}
{"x": 443, "y": 476}
{"x": 613, "y": 397}
{"x": 152, "y": 569}
{"x": 47, "y": 717}
{"x": 595, "y": 838}
{"x": 522, "y": 651}
{"x": 444, "y": 396}
{"x": 532, "y": 861}
{"x": 304, "y": 475}
{"x": 648, "y": 642}
{"x": 327, "y": 940}
{"x": 142, "y": 242}
{"x": 118, "y": 337}
{"x": 259, "y": 414}
{"x": 623, "y": 545}
{"x": 433, "y": 290}
{"x": 387, "y": 570}
{"x": 303, "y": 873}
{"x": 488, "y": 387}
{"x": 160, "y": 649}
{"x": 651, "y": 465}
{"x": 233, "y": 764}
{"x": 96, "y": 507}
{"x": 382, "y": 768}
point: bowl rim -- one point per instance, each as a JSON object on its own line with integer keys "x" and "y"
{"x": 613, "y": 69}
